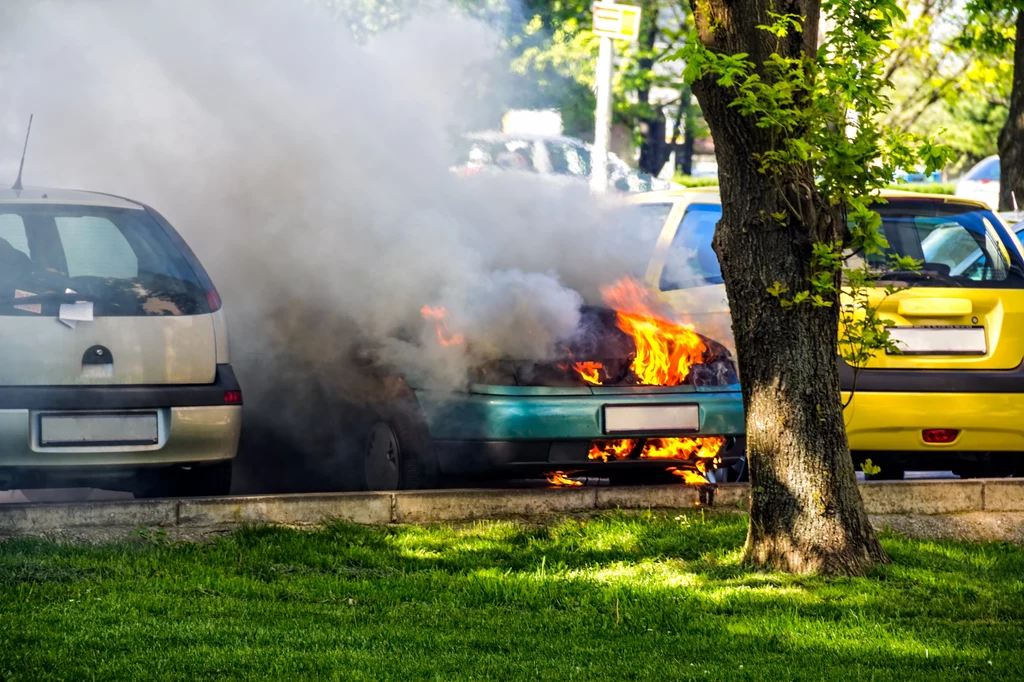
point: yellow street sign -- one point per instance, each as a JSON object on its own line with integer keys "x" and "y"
{"x": 621, "y": 22}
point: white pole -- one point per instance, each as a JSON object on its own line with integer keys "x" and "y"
{"x": 602, "y": 117}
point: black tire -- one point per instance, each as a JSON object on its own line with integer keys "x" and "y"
{"x": 736, "y": 472}
{"x": 399, "y": 453}
{"x": 211, "y": 480}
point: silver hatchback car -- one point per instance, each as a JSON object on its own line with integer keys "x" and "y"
{"x": 114, "y": 361}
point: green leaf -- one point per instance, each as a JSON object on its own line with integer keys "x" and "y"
{"x": 870, "y": 468}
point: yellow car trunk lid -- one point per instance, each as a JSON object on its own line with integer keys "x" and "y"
{"x": 952, "y": 328}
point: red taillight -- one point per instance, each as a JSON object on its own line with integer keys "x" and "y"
{"x": 940, "y": 435}
{"x": 213, "y": 298}
{"x": 232, "y": 397}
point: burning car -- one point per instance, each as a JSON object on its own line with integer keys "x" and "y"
{"x": 633, "y": 393}
{"x": 954, "y": 397}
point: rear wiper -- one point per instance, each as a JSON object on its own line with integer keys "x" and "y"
{"x": 918, "y": 275}
{"x": 52, "y": 297}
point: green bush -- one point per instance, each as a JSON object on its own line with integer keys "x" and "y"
{"x": 925, "y": 187}
{"x": 690, "y": 181}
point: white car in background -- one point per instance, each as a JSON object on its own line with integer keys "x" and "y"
{"x": 981, "y": 183}
{"x": 553, "y": 156}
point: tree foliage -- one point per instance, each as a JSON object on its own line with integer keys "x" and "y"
{"x": 951, "y": 72}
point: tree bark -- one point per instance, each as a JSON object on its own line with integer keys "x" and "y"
{"x": 806, "y": 512}
{"x": 1011, "y": 138}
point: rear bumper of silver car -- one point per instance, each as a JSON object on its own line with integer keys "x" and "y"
{"x": 195, "y": 424}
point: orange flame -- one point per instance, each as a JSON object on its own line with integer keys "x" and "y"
{"x": 444, "y": 337}
{"x": 690, "y": 477}
{"x": 603, "y": 449}
{"x": 665, "y": 351}
{"x": 560, "y": 479}
{"x": 590, "y": 371}
{"x": 682, "y": 448}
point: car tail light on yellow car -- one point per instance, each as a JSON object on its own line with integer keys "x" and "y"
{"x": 939, "y": 436}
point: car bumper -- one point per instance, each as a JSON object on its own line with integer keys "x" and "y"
{"x": 480, "y": 433}
{"x": 194, "y": 425}
{"x": 894, "y": 421}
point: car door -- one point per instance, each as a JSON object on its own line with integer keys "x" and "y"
{"x": 685, "y": 271}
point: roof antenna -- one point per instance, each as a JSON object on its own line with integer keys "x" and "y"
{"x": 17, "y": 183}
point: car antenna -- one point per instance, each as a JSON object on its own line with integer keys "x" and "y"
{"x": 17, "y": 183}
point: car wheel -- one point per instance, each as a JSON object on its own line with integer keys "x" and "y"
{"x": 399, "y": 455}
{"x": 734, "y": 473}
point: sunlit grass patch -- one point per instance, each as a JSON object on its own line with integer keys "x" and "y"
{"x": 616, "y": 596}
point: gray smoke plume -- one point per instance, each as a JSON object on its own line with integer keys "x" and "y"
{"x": 311, "y": 175}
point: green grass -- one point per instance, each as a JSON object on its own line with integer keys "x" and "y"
{"x": 615, "y": 597}
{"x": 926, "y": 187}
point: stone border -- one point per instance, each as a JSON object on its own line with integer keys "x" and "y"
{"x": 882, "y": 499}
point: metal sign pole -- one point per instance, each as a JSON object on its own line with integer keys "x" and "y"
{"x": 602, "y": 117}
{"x": 611, "y": 22}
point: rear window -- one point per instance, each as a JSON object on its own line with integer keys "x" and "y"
{"x": 986, "y": 170}
{"x": 958, "y": 245}
{"x": 120, "y": 259}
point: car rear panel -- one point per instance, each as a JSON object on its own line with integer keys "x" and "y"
{"x": 142, "y": 350}
{"x": 895, "y": 421}
{"x": 507, "y": 413}
{"x": 999, "y": 312}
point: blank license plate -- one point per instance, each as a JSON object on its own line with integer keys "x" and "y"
{"x": 98, "y": 429}
{"x": 940, "y": 340}
{"x": 653, "y": 418}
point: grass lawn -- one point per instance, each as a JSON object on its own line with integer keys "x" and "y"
{"x": 615, "y": 597}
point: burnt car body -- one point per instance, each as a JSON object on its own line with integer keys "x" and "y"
{"x": 521, "y": 419}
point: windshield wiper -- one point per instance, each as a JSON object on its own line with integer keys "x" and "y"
{"x": 917, "y": 276}
{"x": 52, "y": 297}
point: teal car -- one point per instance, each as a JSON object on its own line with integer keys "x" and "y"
{"x": 523, "y": 419}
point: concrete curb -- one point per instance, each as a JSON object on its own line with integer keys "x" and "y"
{"x": 882, "y": 499}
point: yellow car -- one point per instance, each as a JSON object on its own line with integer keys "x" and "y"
{"x": 954, "y": 397}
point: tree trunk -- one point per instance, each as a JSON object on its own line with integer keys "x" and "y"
{"x": 806, "y": 511}
{"x": 654, "y": 150}
{"x": 653, "y": 146}
{"x": 684, "y": 152}
{"x": 1011, "y": 138}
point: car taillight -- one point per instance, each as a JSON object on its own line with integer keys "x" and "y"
{"x": 940, "y": 435}
{"x": 213, "y": 298}
{"x": 232, "y": 397}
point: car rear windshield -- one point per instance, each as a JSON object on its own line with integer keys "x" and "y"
{"x": 121, "y": 259}
{"x": 958, "y": 245}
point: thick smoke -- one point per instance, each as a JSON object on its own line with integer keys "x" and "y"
{"x": 311, "y": 175}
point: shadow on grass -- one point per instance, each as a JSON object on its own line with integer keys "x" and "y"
{"x": 617, "y": 596}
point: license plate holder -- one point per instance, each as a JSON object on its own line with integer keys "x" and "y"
{"x": 939, "y": 340}
{"x": 651, "y": 418}
{"x": 98, "y": 429}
